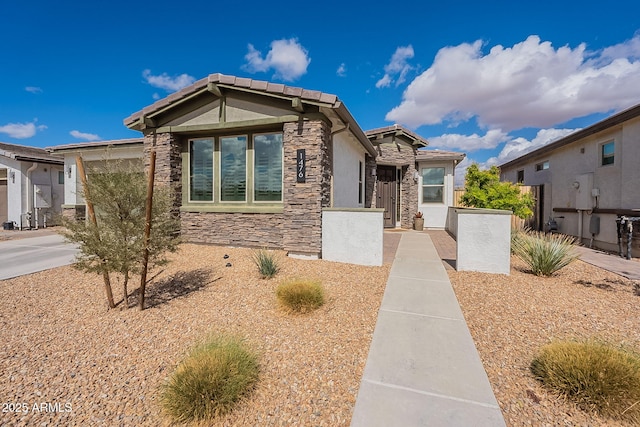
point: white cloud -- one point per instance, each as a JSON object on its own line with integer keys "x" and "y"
{"x": 22, "y": 130}
{"x": 342, "y": 70}
{"x": 530, "y": 84}
{"x": 521, "y": 146}
{"x": 397, "y": 68}
{"x": 33, "y": 89}
{"x": 84, "y": 136}
{"x": 288, "y": 58}
{"x": 467, "y": 143}
{"x": 166, "y": 82}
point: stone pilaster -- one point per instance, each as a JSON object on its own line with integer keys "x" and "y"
{"x": 168, "y": 163}
{"x": 303, "y": 202}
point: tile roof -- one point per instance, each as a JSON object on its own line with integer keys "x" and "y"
{"x": 27, "y": 153}
{"x": 96, "y": 144}
{"x": 241, "y": 83}
{"x": 439, "y": 155}
{"x": 371, "y": 134}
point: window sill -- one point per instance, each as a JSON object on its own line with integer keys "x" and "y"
{"x": 268, "y": 209}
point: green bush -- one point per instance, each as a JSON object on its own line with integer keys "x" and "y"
{"x": 211, "y": 380}
{"x": 300, "y": 296}
{"x": 594, "y": 375}
{"x": 544, "y": 253}
{"x": 266, "y": 262}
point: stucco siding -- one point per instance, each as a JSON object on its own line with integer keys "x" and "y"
{"x": 347, "y": 156}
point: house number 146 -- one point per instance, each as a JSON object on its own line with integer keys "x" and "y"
{"x": 301, "y": 166}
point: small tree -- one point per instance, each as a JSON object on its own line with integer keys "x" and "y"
{"x": 483, "y": 189}
{"x": 115, "y": 244}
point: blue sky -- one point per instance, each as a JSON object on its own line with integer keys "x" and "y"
{"x": 492, "y": 79}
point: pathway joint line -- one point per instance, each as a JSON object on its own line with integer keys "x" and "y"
{"x": 411, "y": 313}
{"x": 429, "y": 393}
{"x": 420, "y": 279}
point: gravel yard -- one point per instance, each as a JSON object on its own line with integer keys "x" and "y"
{"x": 511, "y": 317}
{"x": 61, "y": 347}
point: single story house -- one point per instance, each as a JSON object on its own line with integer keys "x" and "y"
{"x": 31, "y": 186}
{"x": 587, "y": 179}
{"x": 93, "y": 155}
{"x": 253, "y": 163}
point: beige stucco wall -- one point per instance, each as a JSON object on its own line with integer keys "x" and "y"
{"x": 435, "y": 214}
{"x": 347, "y": 154}
{"x": 618, "y": 184}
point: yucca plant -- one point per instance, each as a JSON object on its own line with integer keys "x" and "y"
{"x": 544, "y": 253}
{"x": 300, "y": 296}
{"x": 211, "y": 380}
{"x": 595, "y": 375}
{"x": 267, "y": 263}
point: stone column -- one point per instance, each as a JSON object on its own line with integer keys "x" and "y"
{"x": 303, "y": 202}
{"x": 168, "y": 163}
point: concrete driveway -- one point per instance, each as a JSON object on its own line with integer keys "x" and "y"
{"x": 33, "y": 254}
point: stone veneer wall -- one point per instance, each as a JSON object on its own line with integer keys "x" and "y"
{"x": 303, "y": 202}
{"x": 168, "y": 162}
{"x": 298, "y": 229}
{"x": 233, "y": 229}
{"x": 402, "y": 155}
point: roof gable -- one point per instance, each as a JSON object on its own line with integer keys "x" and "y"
{"x": 390, "y": 133}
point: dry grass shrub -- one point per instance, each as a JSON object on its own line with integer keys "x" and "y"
{"x": 300, "y": 296}
{"x": 211, "y": 380}
{"x": 596, "y": 376}
{"x": 543, "y": 253}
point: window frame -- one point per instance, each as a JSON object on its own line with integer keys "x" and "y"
{"x": 253, "y": 169}
{"x": 443, "y": 185}
{"x": 606, "y": 157}
{"x": 542, "y": 166}
{"x": 520, "y": 176}
{"x": 216, "y": 204}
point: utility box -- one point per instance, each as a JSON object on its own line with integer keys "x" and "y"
{"x": 584, "y": 198}
{"x": 41, "y": 196}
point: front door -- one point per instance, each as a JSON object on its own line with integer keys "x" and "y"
{"x": 386, "y": 189}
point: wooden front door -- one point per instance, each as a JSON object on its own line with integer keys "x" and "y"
{"x": 386, "y": 190}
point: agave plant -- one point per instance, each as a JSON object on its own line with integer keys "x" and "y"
{"x": 544, "y": 253}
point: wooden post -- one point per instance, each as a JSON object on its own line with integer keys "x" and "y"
{"x": 147, "y": 229}
{"x": 92, "y": 218}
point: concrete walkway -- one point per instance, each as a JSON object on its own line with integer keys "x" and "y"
{"x": 423, "y": 368}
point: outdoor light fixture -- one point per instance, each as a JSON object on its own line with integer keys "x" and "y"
{"x": 576, "y": 184}
{"x": 12, "y": 175}
{"x": 416, "y": 176}
{"x": 69, "y": 171}
{"x": 373, "y": 172}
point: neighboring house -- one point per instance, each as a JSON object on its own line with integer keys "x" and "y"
{"x": 93, "y": 154}
{"x": 587, "y": 179}
{"x": 31, "y": 186}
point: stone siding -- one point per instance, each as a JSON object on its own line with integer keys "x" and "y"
{"x": 303, "y": 202}
{"x": 405, "y": 156}
{"x": 233, "y": 229}
{"x": 168, "y": 162}
{"x": 298, "y": 229}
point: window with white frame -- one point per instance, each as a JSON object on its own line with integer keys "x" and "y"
{"x": 433, "y": 185}
{"x": 240, "y": 169}
{"x": 607, "y": 153}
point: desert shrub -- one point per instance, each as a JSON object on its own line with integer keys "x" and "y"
{"x": 597, "y": 376}
{"x": 300, "y": 296}
{"x": 267, "y": 263}
{"x": 544, "y": 253}
{"x": 211, "y": 380}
